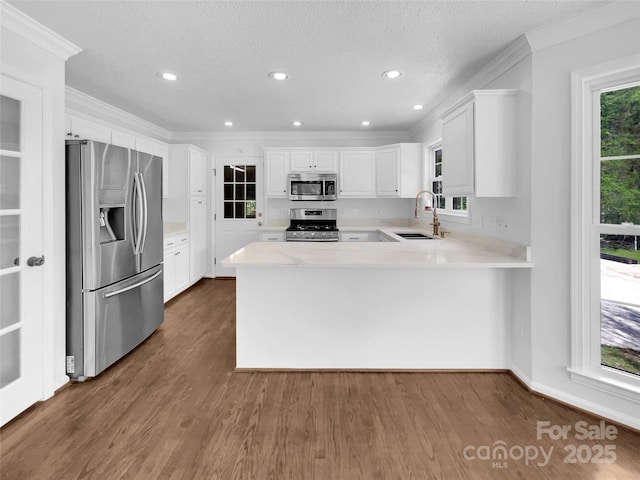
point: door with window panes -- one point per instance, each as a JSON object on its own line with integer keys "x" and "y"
{"x": 239, "y": 205}
{"x": 21, "y": 246}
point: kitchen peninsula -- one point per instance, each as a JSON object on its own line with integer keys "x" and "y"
{"x": 398, "y": 305}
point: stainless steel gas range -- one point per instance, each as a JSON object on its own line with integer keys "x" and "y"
{"x": 313, "y": 225}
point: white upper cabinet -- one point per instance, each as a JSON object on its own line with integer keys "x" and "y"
{"x": 81, "y": 129}
{"x": 322, "y": 161}
{"x": 123, "y": 139}
{"x": 357, "y": 173}
{"x": 197, "y": 172}
{"x": 398, "y": 170}
{"x": 479, "y": 145}
{"x": 388, "y": 172}
{"x": 144, "y": 145}
{"x": 301, "y": 161}
{"x": 276, "y": 169}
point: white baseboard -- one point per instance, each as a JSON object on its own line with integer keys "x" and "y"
{"x": 572, "y": 400}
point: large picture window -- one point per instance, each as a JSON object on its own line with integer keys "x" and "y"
{"x": 606, "y": 228}
{"x": 619, "y": 162}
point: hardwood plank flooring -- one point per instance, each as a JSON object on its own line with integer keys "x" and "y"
{"x": 176, "y": 409}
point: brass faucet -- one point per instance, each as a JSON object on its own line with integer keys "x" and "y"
{"x": 436, "y": 221}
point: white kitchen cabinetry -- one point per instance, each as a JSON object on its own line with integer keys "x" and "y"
{"x": 354, "y": 237}
{"x": 123, "y": 139}
{"x": 79, "y": 129}
{"x": 398, "y": 170}
{"x": 197, "y": 172}
{"x": 198, "y": 236}
{"x": 320, "y": 161}
{"x": 357, "y": 173}
{"x": 188, "y": 166}
{"x": 176, "y": 265}
{"x": 276, "y": 169}
{"x": 479, "y": 145}
{"x": 162, "y": 150}
{"x": 272, "y": 237}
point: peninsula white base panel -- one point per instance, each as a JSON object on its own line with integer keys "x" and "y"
{"x": 368, "y": 318}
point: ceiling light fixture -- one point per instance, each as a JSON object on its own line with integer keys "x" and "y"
{"x": 229, "y": 124}
{"x": 169, "y": 76}
{"x": 391, "y": 74}
{"x": 365, "y": 123}
{"x": 418, "y": 107}
{"x": 296, "y": 124}
{"x": 278, "y": 75}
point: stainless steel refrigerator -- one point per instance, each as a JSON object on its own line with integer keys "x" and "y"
{"x": 114, "y": 252}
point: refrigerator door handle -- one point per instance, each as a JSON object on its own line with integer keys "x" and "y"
{"x": 135, "y": 285}
{"x": 138, "y": 214}
{"x": 145, "y": 212}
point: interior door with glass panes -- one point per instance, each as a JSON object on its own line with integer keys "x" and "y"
{"x": 239, "y": 206}
{"x": 21, "y": 246}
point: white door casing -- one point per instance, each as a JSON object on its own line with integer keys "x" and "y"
{"x": 233, "y": 233}
{"x": 21, "y": 235}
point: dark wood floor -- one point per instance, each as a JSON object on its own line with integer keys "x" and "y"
{"x": 175, "y": 409}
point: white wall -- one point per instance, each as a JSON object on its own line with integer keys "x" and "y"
{"x": 30, "y": 63}
{"x": 550, "y": 217}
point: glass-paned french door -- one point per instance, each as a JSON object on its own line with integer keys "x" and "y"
{"x": 21, "y": 286}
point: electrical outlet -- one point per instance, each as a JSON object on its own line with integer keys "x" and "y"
{"x": 502, "y": 225}
{"x": 354, "y": 212}
{"x": 476, "y": 221}
{"x": 492, "y": 224}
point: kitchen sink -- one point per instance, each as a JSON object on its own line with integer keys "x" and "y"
{"x": 413, "y": 236}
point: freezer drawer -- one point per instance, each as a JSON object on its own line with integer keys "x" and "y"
{"x": 125, "y": 314}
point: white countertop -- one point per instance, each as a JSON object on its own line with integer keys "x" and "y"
{"x": 435, "y": 253}
{"x": 174, "y": 228}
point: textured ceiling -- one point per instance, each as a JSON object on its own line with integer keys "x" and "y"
{"x": 334, "y": 52}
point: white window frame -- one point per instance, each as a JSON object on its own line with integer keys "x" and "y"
{"x": 462, "y": 216}
{"x": 585, "y": 367}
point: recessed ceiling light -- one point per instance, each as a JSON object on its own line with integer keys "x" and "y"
{"x": 229, "y": 124}
{"x": 169, "y": 76}
{"x": 418, "y": 107}
{"x": 296, "y": 124}
{"x": 278, "y": 75}
{"x": 365, "y": 123}
{"x": 391, "y": 74}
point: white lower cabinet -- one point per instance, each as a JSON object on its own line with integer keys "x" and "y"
{"x": 176, "y": 265}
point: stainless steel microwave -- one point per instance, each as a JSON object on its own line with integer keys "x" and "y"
{"x": 313, "y": 186}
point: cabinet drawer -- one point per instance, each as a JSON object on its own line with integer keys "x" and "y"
{"x": 272, "y": 237}
{"x": 354, "y": 236}
{"x": 175, "y": 241}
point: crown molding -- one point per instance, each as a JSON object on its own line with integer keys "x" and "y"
{"x": 76, "y": 101}
{"x": 26, "y": 27}
{"x": 588, "y": 22}
{"x": 383, "y": 136}
{"x": 517, "y": 51}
